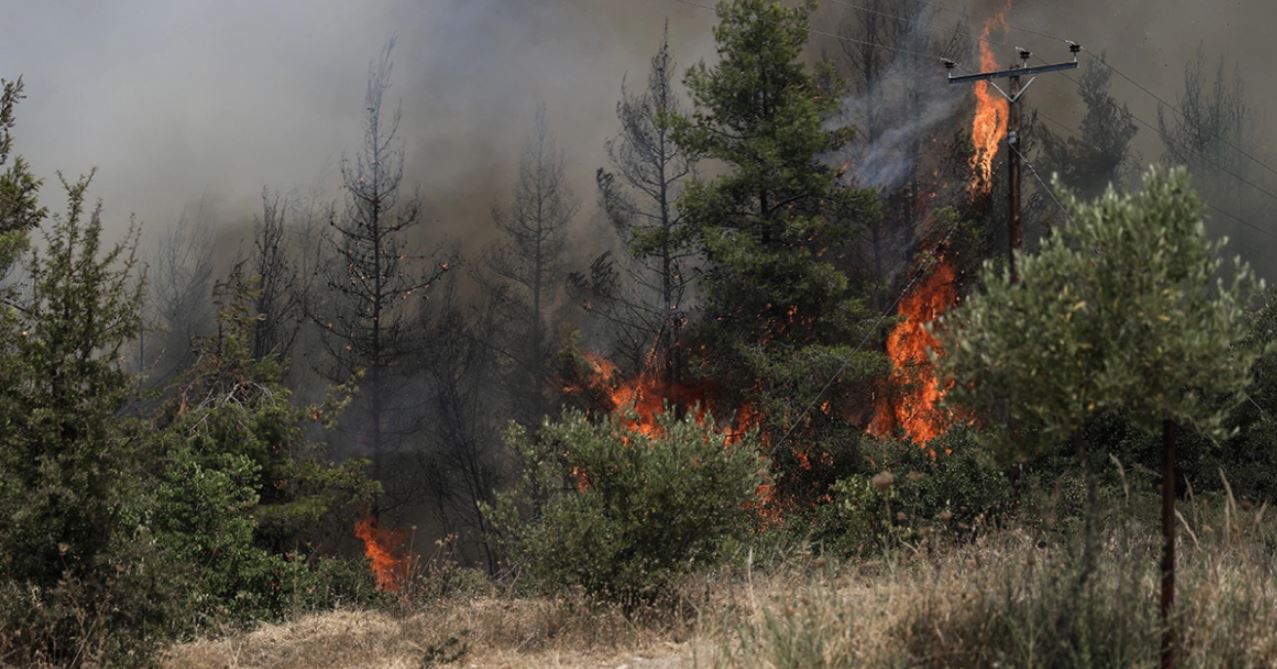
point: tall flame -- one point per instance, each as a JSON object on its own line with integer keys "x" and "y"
{"x": 989, "y": 126}
{"x": 912, "y": 402}
{"x": 382, "y": 546}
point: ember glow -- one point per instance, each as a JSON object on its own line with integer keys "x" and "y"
{"x": 642, "y": 398}
{"x": 383, "y": 547}
{"x": 989, "y": 126}
{"x": 639, "y": 402}
{"x": 912, "y": 400}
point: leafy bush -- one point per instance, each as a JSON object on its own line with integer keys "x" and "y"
{"x": 621, "y": 514}
{"x": 238, "y": 486}
{"x": 912, "y": 494}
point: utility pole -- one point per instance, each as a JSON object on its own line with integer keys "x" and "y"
{"x": 1014, "y": 94}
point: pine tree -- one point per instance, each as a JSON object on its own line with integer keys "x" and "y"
{"x": 528, "y": 266}
{"x": 279, "y": 293}
{"x": 239, "y": 489}
{"x": 371, "y": 279}
{"x": 20, "y": 211}
{"x": 639, "y": 193}
{"x": 780, "y": 317}
{"x": 1100, "y": 154}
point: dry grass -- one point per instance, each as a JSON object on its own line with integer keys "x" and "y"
{"x": 483, "y": 632}
{"x": 1006, "y": 600}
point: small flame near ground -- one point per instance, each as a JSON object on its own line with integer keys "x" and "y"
{"x": 384, "y": 548}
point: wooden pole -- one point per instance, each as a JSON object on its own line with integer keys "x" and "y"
{"x": 1168, "y": 543}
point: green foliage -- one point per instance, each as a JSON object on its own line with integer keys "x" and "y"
{"x": 620, "y": 514}
{"x": 20, "y": 211}
{"x": 779, "y": 311}
{"x": 1249, "y": 458}
{"x": 1100, "y": 155}
{"x": 913, "y": 496}
{"x": 65, "y": 450}
{"x": 240, "y": 489}
{"x": 70, "y": 553}
{"x": 1121, "y": 312}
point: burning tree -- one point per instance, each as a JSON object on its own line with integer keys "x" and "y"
{"x": 639, "y": 196}
{"x": 1121, "y": 313}
{"x": 779, "y": 313}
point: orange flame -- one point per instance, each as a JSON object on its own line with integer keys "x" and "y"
{"x": 912, "y": 402}
{"x": 643, "y": 399}
{"x": 382, "y": 545}
{"x": 989, "y": 126}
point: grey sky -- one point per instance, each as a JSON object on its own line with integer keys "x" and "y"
{"x": 171, "y": 99}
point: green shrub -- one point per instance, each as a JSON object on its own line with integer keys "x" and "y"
{"x": 238, "y": 489}
{"x": 912, "y": 494}
{"x": 619, "y": 514}
{"x": 117, "y": 613}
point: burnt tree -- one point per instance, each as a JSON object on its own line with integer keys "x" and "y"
{"x": 526, "y": 268}
{"x": 638, "y": 192}
{"x": 371, "y": 277}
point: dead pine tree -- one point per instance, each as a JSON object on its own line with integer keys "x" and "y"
{"x": 178, "y": 303}
{"x": 278, "y": 295}
{"x": 370, "y": 279}
{"x": 638, "y": 192}
{"x": 526, "y": 270}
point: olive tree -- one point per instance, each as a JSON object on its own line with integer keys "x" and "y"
{"x": 1123, "y": 312}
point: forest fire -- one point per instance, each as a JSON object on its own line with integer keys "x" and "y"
{"x": 912, "y": 404}
{"x": 912, "y": 400}
{"x": 382, "y": 546}
{"x": 645, "y": 395}
{"x": 992, "y": 113}
{"x": 642, "y": 400}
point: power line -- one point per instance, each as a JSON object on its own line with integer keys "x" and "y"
{"x": 1115, "y": 70}
{"x": 1049, "y": 191}
{"x": 906, "y": 20}
{"x": 1137, "y": 119}
{"x": 1223, "y": 212}
{"x": 1010, "y": 26}
{"x": 1227, "y": 142}
{"x": 852, "y": 40}
{"x": 1196, "y": 154}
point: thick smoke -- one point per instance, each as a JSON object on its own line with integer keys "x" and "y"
{"x": 172, "y": 100}
{"x": 884, "y": 162}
